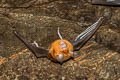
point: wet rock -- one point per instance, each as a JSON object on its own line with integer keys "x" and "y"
{"x": 23, "y": 78}
{"x": 26, "y": 66}
{"x": 109, "y": 37}
{"x": 39, "y": 20}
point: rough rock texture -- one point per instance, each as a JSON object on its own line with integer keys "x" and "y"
{"x": 38, "y": 20}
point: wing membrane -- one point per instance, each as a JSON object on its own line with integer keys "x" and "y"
{"x": 82, "y": 38}
{"x": 37, "y": 51}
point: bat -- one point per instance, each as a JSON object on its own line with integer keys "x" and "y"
{"x": 62, "y": 50}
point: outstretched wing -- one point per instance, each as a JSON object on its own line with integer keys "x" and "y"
{"x": 82, "y": 38}
{"x": 38, "y": 52}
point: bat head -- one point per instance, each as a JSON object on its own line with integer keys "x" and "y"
{"x": 61, "y": 50}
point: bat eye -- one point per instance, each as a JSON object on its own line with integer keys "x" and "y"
{"x": 60, "y": 57}
{"x": 63, "y": 45}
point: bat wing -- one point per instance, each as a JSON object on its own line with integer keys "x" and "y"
{"x": 37, "y": 51}
{"x": 82, "y": 38}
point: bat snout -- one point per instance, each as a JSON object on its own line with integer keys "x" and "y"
{"x": 60, "y": 57}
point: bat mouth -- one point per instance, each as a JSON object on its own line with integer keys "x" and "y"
{"x": 60, "y": 57}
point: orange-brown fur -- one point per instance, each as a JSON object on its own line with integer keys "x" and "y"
{"x": 55, "y": 49}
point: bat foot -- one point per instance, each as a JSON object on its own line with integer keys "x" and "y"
{"x": 35, "y": 43}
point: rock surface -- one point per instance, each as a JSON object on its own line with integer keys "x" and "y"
{"x": 38, "y": 20}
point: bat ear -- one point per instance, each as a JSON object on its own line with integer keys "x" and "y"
{"x": 37, "y": 51}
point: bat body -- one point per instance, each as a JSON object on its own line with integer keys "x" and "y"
{"x": 61, "y": 50}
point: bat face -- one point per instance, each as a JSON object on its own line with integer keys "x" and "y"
{"x": 60, "y": 50}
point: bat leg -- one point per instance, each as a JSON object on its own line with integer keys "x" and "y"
{"x": 36, "y": 44}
